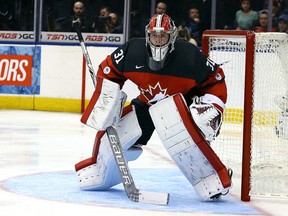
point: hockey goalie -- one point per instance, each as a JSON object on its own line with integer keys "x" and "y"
{"x": 182, "y": 96}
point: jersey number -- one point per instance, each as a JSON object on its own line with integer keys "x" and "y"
{"x": 118, "y": 56}
{"x": 210, "y": 64}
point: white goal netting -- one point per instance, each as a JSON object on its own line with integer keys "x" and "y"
{"x": 269, "y": 139}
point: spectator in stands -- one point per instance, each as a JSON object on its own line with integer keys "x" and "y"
{"x": 113, "y": 23}
{"x": 105, "y": 11}
{"x": 65, "y": 24}
{"x": 283, "y": 23}
{"x": 194, "y": 24}
{"x": 246, "y": 18}
{"x": 161, "y": 8}
{"x": 276, "y": 10}
{"x": 100, "y": 21}
{"x": 183, "y": 33}
{"x": 263, "y": 22}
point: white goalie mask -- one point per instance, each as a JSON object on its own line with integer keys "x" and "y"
{"x": 161, "y": 34}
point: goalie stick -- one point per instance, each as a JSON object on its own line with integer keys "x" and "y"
{"x": 132, "y": 192}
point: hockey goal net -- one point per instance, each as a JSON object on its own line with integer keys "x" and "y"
{"x": 254, "y": 135}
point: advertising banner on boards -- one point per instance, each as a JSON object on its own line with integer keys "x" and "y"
{"x": 20, "y": 69}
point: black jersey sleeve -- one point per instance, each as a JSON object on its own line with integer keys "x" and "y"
{"x": 204, "y": 67}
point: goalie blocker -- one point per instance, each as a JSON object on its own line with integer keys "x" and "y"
{"x": 105, "y": 106}
{"x": 189, "y": 149}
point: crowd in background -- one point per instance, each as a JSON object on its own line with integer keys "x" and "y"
{"x": 106, "y": 21}
{"x": 236, "y": 15}
{"x": 231, "y": 15}
{"x": 192, "y": 17}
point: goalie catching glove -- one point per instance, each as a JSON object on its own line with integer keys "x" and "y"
{"x": 207, "y": 114}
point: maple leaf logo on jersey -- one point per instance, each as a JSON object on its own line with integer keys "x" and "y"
{"x": 154, "y": 94}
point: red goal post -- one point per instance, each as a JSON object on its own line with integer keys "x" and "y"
{"x": 252, "y": 115}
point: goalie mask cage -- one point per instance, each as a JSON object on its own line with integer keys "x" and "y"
{"x": 254, "y": 135}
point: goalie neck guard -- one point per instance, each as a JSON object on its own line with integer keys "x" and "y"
{"x": 161, "y": 34}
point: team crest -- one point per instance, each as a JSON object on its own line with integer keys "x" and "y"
{"x": 154, "y": 94}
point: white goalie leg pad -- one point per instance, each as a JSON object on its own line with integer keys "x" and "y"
{"x": 101, "y": 174}
{"x": 105, "y": 106}
{"x": 188, "y": 147}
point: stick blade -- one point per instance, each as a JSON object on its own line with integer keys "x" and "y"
{"x": 154, "y": 197}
